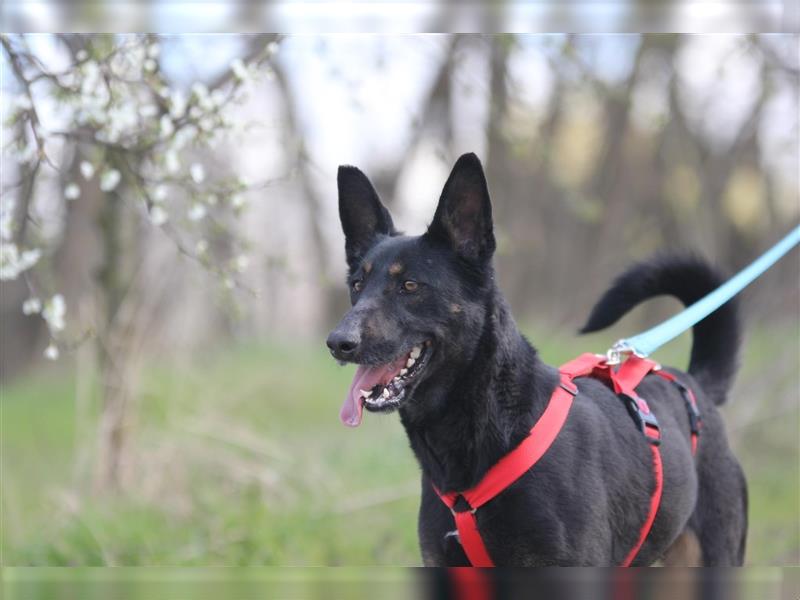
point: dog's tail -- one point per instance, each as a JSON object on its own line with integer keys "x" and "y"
{"x": 715, "y": 345}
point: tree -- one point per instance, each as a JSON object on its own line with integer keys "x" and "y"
{"x": 107, "y": 124}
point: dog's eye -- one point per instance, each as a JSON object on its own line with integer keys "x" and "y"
{"x": 410, "y": 286}
{"x": 358, "y": 285}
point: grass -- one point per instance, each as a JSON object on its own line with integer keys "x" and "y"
{"x": 238, "y": 458}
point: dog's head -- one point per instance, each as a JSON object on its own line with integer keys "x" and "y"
{"x": 417, "y": 302}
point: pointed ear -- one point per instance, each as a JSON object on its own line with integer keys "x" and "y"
{"x": 363, "y": 216}
{"x": 463, "y": 218}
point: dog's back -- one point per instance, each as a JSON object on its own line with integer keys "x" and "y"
{"x": 720, "y": 518}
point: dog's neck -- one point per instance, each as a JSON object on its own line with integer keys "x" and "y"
{"x": 488, "y": 405}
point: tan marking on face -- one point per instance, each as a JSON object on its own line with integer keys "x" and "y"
{"x": 455, "y": 308}
{"x": 395, "y": 268}
{"x": 367, "y": 267}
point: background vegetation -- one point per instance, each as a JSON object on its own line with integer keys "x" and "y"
{"x": 241, "y": 461}
{"x": 191, "y": 418}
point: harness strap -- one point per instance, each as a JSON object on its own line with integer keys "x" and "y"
{"x": 506, "y": 471}
{"x": 463, "y": 505}
{"x": 695, "y": 422}
{"x": 625, "y": 380}
{"x": 655, "y": 502}
{"x": 471, "y": 540}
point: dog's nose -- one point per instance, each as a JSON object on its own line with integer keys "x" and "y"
{"x": 342, "y": 344}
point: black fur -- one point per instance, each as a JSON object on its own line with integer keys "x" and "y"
{"x": 713, "y": 361}
{"x": 363, "y": 216}
{"x": 483, "y": 387}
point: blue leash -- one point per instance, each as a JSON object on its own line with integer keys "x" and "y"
{"x": 647, "y": 342}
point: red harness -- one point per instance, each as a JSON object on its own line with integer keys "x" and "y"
{"x": 519, "y": 461}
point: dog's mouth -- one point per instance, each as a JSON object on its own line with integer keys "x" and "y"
{"x": 382, "y": 388}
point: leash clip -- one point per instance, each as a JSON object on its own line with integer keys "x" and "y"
{"x": 617, "y": 353}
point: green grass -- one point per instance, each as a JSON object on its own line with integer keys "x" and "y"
{"x": 238, "y": 458}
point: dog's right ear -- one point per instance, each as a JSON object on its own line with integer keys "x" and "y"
{"x": 363, "y": 216}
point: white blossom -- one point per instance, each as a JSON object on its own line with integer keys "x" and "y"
{"x": 238, "y": 201}
{"x": 197, "y": 172}
{"x": 72, "y": 191}
{"x": 160, "y": 193}
{"x": 31, "y": 306}
{"x": 7, "y": 218}
{"x": 199, "y": 89}
{"x": 54, "y": 311}
{"x": 196, "y": 212}
{"x": 13, "y": 262}
{"x": 23, "y": 102}
{"x": 109, "y": 180}
{"x": 113, "y": 98}
{"x": 218, "y": 97}
{"x": 148, "y": 110}
{"x": 87, "y": 169}
{"x": 272, "y": 48}
{"x": 207, "y": 123}
{"x": 183, "y": 136}
{"x": 172, "y": 163}
{"x": 122, "y": 119}
{"x": 158, "y": 216}
{"x": 239, "y": 70}
{"x": 241, "y": 263}
{"x": 92, "y": 84}
{"x": 167, "y": 128}
{"x": 51, "y": 352}
{"x": 177, "y": 103}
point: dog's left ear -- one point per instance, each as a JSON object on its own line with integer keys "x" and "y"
{"x": 464, "y": 215}
{"x": 363, "y": 216}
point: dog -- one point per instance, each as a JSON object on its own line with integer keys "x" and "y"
{"x": 434, "y": 339}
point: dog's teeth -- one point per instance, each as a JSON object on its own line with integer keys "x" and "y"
{"x": 410, "y": 362}
{"x": 415, "y": 352}
{"x": 366, "y": 393}
{"x": 403, "y": 372}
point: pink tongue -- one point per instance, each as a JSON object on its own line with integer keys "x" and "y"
{"x": 365, "y": 379}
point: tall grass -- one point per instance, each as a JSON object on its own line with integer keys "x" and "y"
{"x": 238, "y": 458}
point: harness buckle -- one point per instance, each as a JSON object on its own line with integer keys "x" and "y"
{"x": 568, "y": 386}
{"x": 643, "y": 417}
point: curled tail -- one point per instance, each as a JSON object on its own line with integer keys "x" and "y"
{"x": 715, "y": 344}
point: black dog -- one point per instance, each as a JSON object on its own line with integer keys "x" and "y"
{"x": 434, "y": 339}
